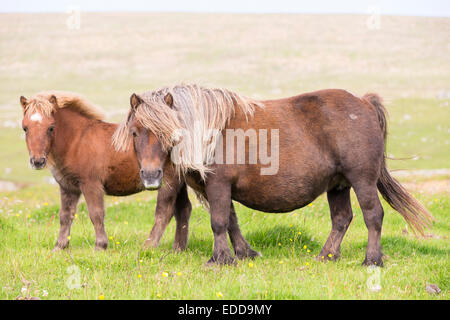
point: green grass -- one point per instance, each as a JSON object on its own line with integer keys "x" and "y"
{"x": 29, "y": 226}
{"x": 419, "y": 129}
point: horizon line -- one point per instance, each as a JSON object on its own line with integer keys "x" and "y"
{"x": 224, "y": 12}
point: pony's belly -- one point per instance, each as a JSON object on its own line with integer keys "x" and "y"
{"x": 283, "y": 192}
{"x": 123, "y": 192}
{"x": 276, "y": 198}
{"x": 273, "y": 205}
{"x": 123, "y": 186}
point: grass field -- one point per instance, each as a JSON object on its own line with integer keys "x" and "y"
{"x": 287, "y": 270}
{"x": 262, "y": 56}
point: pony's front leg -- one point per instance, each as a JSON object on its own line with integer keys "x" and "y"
{"x": 182, "y": 214}
{"x": 219, "y": 199}
{"x": 94, "y": 196}
{"x": 165, "y": 207}
{"x": 69, "y": 201}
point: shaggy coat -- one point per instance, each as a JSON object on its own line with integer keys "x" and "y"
{"x": 68, "y": 133}
{"x": 329, "y": 141}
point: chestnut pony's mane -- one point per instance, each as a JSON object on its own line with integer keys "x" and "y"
{"x": 194, "y": 122}
{"x": 40, "y": 103}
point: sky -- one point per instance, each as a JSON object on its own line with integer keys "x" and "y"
{"x": 389, "y": 7}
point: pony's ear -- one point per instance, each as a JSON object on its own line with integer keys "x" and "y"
{"x": 168, "y": 99}
{"x": 23, "y": 102}
{"x": 53, "y": 100}
{"x": 135, "y": 100}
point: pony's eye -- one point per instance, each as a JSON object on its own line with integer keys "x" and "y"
{"x": 25, "y": 129}
{"x": 134, "y": 134}
{"x": 50, "y": 130}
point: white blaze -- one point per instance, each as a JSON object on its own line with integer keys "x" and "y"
{"x": 36, "y": 117}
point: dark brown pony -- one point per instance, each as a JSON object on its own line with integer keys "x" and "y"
{"x": 66, "y": 132}
{"x": 324, "y": 141}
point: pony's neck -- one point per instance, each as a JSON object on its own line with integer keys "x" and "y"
{"x": 69, "y": 126}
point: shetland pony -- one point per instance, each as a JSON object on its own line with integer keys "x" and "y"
{"x": 324, "y": 141}
{"x": 66, "y": 132}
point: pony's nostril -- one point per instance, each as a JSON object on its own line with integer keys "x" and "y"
{"x": 158, "y": 174}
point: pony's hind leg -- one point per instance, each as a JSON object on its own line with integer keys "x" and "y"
{"x": 69, "y": 201}
{"x": 182, "y": 214}
{"x": 373, "y": 217}
{"x": 341, "y": 217}
{"x": 241, "y": 247}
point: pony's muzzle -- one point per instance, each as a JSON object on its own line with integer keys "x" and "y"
{"x": 151, "y": 179}
{"x": 38, "y": 163}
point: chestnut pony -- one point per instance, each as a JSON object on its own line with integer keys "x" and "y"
{"x": 66, "y": 132}
{"x": 324, "y": 141}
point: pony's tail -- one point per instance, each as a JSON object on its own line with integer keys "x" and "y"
{"x": 414, "y": 213}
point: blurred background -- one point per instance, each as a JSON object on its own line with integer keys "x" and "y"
{"x": 106, "y": 50}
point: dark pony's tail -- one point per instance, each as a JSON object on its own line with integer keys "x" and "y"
{"x": 414, "y": 213}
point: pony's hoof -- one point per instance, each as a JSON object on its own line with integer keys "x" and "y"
{"x": 222, "y": 260}
{"x": 150, "y": 244}
{"x": 327, "y": 257}
{"x": 178, "y": 248}
{"x": 58, "y": 248}
{"x": 101, "y": 246}
{"x": 248, "y": 254}
{"x": 373, "y": 262}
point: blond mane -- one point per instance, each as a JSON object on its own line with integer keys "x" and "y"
{"x": 40, "y": 103}
{"x": 199, "y": 113}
